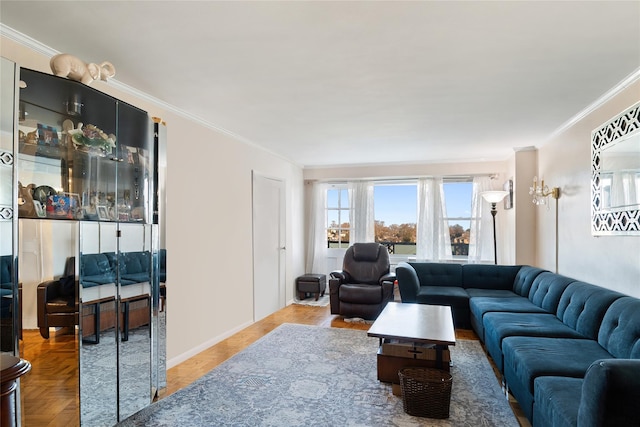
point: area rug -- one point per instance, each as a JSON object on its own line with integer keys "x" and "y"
{"x": 300, "y": 375}
{"x": 323, "y": 301}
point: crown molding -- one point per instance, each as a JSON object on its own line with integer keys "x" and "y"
{"x": 606, "y": 97}
{"x": 48, "y": 51}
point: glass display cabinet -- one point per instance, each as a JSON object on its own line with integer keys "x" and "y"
{"x": 88, "y": 234}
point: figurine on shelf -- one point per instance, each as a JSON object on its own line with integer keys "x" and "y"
{"x": 66, "y": 65}
{"x": 91, "y": 139}
{"x": 26, "y": 207}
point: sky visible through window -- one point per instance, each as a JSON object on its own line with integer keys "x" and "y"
{"x": 397, "y": 204}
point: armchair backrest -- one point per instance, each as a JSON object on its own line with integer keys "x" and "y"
{"x": 366, "y": 262}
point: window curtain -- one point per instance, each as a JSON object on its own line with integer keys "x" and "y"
{"x": 623, "y": 189}
{"x": 361, "y": 212}
{"x": 481, "y": 232}
{"x": 316, "y": 207}
{"x": 432, "y": 240}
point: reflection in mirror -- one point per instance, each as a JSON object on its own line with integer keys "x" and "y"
{"x": 620, "y": 173}
{"x": 615, "y": 175}
{"x": 135, "y": 267}
{"x": 160, "y": 304}
{"x": 98, "y": 347}
{"x": 47, "y": 272}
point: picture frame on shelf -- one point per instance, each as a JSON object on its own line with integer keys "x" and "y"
{"x": 47, "y": 135}
{"x": 103, "y": 213}
{"x": 508, "y": 187}
{"x": 39, "y": 209}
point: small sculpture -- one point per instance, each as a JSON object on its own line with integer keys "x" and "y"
{"x": 26, "y": 207}
{"x": 66, "y": 65}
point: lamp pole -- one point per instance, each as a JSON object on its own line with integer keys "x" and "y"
{"x": 494, "y": 197}
{"x": 494, "y": 211}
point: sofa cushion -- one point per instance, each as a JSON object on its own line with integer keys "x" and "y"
{"x": 486, "y": 276}
{"x": 479, "y": 306}
{"x": 5, "y": 271}
{"x": 499, "y": 325}
{"x": 582, "y": 307}
{"x": 455, "y": 297}
{"x": 438, "y": 274}
{"x": 556, "y": 401}
{"x": 96, "y": 268}
{"x": 620, "y": 329}
{"x": 492, "y": 293}
{"x": 527, "y": 358}
{"x": 524, "y": 279}
{"x": 443, "y": 295}
{"x": 546, "y": 290}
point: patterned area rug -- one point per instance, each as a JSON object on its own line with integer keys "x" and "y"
{"x": 300, "y": 375}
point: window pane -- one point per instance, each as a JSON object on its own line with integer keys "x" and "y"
{"x": 395, "y": 217}
{"x": 344, "y": 199}
{"x": 332, "y": 198}
{"x": 333, "y": 219}
{"x": 458, "y": 202}
{"x": 457, "y": 196}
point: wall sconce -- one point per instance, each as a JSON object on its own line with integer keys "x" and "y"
{"x": 542, "y": 192}
{"x": 494, "y": 197}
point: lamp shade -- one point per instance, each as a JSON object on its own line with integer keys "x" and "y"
{"x": 494, "y": 196}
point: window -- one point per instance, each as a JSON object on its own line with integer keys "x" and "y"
{"x": 458, "y": 197}
{"x": 395, "y": 205}
{"x": 337, "y": 217}
{"x": 395, "y": 215}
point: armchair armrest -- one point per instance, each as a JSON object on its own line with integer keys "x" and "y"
{"x": 610, "y": 393}
{"x": 46, "y": 291}
{"x": 408, "y": 282}
{"x": 389, "y": 277}
{"x": 342, "y": 276}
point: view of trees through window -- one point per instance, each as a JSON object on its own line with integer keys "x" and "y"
{"x": 395, "y": 207}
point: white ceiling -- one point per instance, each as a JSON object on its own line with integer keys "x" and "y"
{"x": 329, "y": 83}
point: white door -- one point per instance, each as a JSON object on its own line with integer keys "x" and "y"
{"x": 268, "y": 246}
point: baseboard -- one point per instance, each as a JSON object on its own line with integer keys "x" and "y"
{"x": 174, "y": 361}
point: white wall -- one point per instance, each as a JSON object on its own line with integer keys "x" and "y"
{"x": 209, "y": 239}
{"x": 565, "y": 162}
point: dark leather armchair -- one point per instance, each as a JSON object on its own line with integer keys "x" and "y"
{"x": 58, "y": 301}
{"x": 364, "y": 286}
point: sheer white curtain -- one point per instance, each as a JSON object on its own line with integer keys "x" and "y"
{"x": 481, "y": 233}
{"x": 432, "y": 240}
{"x": 316, "y": 207}
{"x": 623, "y": 189}
{"x": 361, "y": 212}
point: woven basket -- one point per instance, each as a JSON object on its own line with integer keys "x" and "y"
{"x": 426, "y": 392}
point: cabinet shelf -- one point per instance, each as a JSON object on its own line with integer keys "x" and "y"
{"x": 97, "y": 157}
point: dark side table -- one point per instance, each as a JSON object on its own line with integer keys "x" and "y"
{"x": 11, "y": 369}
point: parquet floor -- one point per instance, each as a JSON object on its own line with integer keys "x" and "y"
{"x": 49, "y": 391}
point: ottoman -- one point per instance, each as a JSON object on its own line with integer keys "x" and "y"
{"x": 311, "y": 284}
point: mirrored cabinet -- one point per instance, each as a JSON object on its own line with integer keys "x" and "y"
{"x": 89, "y": 192}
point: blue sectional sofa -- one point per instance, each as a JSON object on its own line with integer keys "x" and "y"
{"x": 568, "y": 351}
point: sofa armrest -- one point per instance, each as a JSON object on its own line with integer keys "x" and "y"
{"x": 610, "y": 393}
{"x": 408, "y": 282}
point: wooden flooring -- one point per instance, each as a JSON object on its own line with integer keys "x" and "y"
{"x": 49, "y": 391}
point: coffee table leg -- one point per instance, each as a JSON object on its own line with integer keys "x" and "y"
{"x": 439, "y": 349}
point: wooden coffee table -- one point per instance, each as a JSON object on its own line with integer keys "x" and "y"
{"x": 412, "y": 335}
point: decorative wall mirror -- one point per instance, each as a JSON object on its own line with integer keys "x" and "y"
{"x": 615, "y": 175}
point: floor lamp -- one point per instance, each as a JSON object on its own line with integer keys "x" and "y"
{"x": 494, "y": 197}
